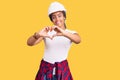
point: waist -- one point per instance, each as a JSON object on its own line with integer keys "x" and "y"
{"x": 62, "y": 67}
{"x": 55, "y": 57}
{"x": 53, "y": 64}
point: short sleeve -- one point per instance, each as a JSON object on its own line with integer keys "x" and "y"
{"x": 71, "y": 31}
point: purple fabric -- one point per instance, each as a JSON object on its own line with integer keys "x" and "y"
{"x": 62, "y": 71}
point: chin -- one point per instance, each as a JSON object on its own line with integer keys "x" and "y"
{"x": 58, "y": 25}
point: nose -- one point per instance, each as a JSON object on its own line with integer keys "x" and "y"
{"x": 57, "y": 18}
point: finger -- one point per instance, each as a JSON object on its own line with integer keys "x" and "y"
{"x": 55, "y": 29}
{"x": 50, "y": 28}
{"x": 51, "y": 37}
{"x": 59, "y": 34}
{"x": 46, "y": 28}
{"x": 54, "y": 35}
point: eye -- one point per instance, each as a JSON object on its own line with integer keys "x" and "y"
{"x": 53, "y": 17}
{"x": 59, "y": 15}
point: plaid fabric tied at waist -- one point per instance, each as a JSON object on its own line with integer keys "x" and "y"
{"x": 62, "y": 71}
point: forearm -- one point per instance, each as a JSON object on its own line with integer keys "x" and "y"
{"x": 73, "y": 37}
{"x": 33, "y": 40}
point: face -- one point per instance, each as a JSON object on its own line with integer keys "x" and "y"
{"x": 58, "y": 19}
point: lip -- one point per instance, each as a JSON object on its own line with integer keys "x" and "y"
{"x": 58, "y": 22}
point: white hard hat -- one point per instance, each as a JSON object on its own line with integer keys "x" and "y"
{"x": 55, "y": 6}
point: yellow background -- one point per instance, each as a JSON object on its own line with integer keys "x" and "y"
{"x": 95, "y": 58}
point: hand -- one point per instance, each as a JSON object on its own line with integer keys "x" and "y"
{"x": 44, "y": 32}
{"x": 59, "y": 31}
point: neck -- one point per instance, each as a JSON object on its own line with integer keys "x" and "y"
{"x": 63, "y": 27}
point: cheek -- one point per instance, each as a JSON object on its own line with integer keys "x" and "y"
{"x": 62, "y": 20}
{"x": 53, "y": 21}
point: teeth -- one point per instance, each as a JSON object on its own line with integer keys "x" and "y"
{"x": 58, "y": 22}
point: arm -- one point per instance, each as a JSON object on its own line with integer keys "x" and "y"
{"x": 73, "y": 37}
{"x": 38, "y": 36}
{"x": 34, "y": 39}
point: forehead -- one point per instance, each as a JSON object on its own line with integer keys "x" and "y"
{"x": 57, "y": 13}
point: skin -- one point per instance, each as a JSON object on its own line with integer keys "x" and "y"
{"x": 58, "y": 20}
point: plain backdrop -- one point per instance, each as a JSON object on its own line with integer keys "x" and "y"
{"x": 97, "y": 57}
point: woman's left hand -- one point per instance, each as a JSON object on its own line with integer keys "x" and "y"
{"x": 59, "y": 31}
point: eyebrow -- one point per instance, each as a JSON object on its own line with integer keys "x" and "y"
{"x": 56, "y": 14}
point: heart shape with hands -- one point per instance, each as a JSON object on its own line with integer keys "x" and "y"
{"x": 44, "y": 32}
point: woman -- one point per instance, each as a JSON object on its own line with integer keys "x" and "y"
{"x": 57, "y": 39}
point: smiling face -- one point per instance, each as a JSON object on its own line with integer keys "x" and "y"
{"x": 58, "y": 19}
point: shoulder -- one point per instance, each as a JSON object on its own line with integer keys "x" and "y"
{"x": 71, "y": 31}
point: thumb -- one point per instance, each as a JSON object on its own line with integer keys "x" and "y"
{"x": 51, "y": 37}
{"x": 57, "y": 34}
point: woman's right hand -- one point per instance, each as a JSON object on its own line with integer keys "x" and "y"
{"x": 44, "y": 32}
{"x": 38, "y": 36}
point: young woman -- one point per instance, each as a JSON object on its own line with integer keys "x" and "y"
{"x": 57, "y": 39}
